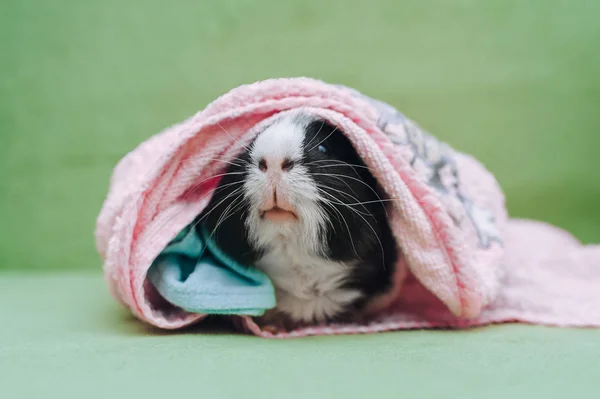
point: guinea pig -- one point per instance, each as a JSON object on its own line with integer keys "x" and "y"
{"x": 300, "y": 205}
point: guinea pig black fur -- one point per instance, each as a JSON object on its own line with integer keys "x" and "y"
{"x": 299, "y": 204}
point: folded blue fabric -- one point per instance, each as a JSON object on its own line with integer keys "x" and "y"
{"x": 195, "y": 275}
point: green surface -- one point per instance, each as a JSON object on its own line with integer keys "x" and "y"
{"x": 81, "y": 82}
{"x": 67, "y": 340}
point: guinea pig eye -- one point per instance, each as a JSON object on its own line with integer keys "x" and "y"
{"x": 322, "y": 149}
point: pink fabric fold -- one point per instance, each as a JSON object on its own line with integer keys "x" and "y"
{"x": 464, "y": 262}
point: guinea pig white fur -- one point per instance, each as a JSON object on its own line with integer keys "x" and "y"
{"x": 300, "y": 205}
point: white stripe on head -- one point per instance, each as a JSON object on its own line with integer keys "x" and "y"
{"x": 308, "y": 283}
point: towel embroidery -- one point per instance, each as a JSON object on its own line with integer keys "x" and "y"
{"x": 434, "y": 160}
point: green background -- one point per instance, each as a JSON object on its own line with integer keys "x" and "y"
{"x": 515, "y": 83}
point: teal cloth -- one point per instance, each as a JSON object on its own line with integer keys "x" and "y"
{"x": 195, "y": 275}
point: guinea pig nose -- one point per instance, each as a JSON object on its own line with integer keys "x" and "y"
{"x": 262, "y": 165}
{"x": 287, "y": 164}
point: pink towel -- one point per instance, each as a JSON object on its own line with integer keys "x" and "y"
{"x": 464, "y": 262}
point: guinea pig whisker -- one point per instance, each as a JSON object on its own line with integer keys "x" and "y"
{"x": 236, "y": 208}
{"x": 198, "y": 184}
{"x": 354, "y": 203}
{"x": 238, "y": 164}
{"x": 367, "y": 222}
{"x": 358, "y": 166}
{"x": 234, "y": 192}
{"x": 354, "y": 179}
{"x": 322, "y": 141}
{"x": 337, "y": 162}
{"x": 378, "y": 240}
{"x": 350, "y": 188}
{"x": 329, "y": 221}
{"x": 313, "y": 137}
{"x": 214, "y": 207}
{"x": 373, "y": 202}
{"x": 338, "y": 166}
{"x": 245, "y": 147}
{"x": 227, "y": 213}
{"x": 341, "y": 218}
{"x": 226, "y": 210}
{"x": 188, "y": 192}
{"x": 341, "y": 163}
{"x": 338, "y": 202}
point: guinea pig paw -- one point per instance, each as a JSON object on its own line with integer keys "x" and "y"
{"x": 270, "y": 328}
{"x": 276, "y": 323}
